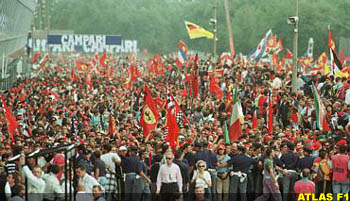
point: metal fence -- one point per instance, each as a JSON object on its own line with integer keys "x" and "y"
{"x": 15, "y": 20}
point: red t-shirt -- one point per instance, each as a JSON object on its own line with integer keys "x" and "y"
{"x": 304, "y": 186}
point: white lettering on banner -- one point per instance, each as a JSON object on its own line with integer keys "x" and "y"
{"x": 99, "y": 42}
{"x": 78, "y": 40}
{"x": 86, "y": 44}
{"x": 64, "y": 39}
{"x": 135, "y": 46}
{"x": 128, "y": 46}
{"x": 70, "y": 40}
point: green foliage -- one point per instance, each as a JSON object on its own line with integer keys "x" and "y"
{"x": 159, "y": 24}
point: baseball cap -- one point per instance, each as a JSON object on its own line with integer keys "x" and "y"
{"x": 123, "y": 148}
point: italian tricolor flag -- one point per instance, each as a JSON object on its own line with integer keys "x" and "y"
{"x": 321, "y": 121}
{"x": 235, "y": 130}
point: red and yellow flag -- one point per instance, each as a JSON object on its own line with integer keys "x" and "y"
{"x": 149, "y": 115}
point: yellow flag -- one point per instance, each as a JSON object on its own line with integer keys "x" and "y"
{"x": 195, "y": 31}
{"x": 327, "y": 69}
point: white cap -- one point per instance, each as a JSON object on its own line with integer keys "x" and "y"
{"x": 122, "y": 148}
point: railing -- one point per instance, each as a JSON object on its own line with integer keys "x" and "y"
{"x": 15, "y": 20}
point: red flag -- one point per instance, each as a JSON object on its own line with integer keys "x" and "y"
{"x": 158, "y": 66}
{"x": 173, "y": 128}
{"x": 270, "y": 115}
{"x": 81, "y": 66}
{"x": 178, "y": 109}
{"x": 294, "y": 117}
{"x": 325, "y": 125}
{"x": 12, "y": 124}
{"x": 103, "y": 60}
{"x": 195, "y": 84}
{"x": 133, "y": 73}
{"x": 35, "y": 58}
{"x": 289, "y": 54}
{"x": 214, "y": 87}
{"x": 44, "y": 60}
{"x": 255, "y": 120}
{"x": 149, "y": 115}
{"x": 178, "y": 63}
{"x": 235, "y": 129}
{"x": 130, "y": 78}
{"x": 330, "y": 40}
{"x": 274, "y": 59}
{"x": 272, "y": 42}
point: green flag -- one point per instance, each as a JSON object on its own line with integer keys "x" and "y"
{"x": 227, "y": 138}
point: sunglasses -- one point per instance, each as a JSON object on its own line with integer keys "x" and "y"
{"x": 168, "y": 158}
{"x": 201, "y": 166}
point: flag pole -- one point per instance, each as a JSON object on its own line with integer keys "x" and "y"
{"x": 295, "y": 49}
{"x": 229, "y": 29}
{"x": 213, "y": 22}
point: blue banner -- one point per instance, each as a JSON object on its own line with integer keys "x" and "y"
{"x": 84, "y": 42}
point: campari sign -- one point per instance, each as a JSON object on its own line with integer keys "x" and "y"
{"x": 85, "y": 43}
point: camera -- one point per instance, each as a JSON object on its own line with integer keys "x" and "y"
{"x": 293, "y": 20}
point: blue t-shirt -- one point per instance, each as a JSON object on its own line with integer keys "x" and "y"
{"x": 223, "y": 160}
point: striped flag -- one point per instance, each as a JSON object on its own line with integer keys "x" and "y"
{"x": 321, "y": 121}
{"x": 194, "y": 31}
{"x": 260, "y": 50}
{"x": 336, "y": 65}
{"x": 235, "y": 130}
{"x": 182, "y": 53}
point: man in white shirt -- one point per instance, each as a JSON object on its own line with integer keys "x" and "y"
{"x": 53, "y": 190}
{"x": 88, "y": 181}
{"x": 169, "y": 180}
{"x": 276, "y": 83}
{"x": 110, "y": 158}
{"x": 36, "y": 184}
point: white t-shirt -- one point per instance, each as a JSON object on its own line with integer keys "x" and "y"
{"x": 200, "y": 181}
{"x": 276, "y": 84}
{"x": 347, "y": 96}
{"x": 108, "y": 159}
{"x": 8, "y": 190}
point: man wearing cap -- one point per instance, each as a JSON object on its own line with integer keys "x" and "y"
{"x": 132, "y": 166}
{"x": 340, "y": 164}
{"x": 119, "y": 173}
{"x": 289, "y": 161}
{"x": 241, "y": 164}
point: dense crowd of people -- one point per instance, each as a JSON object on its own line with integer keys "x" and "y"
{"x": 115, "y": 161}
